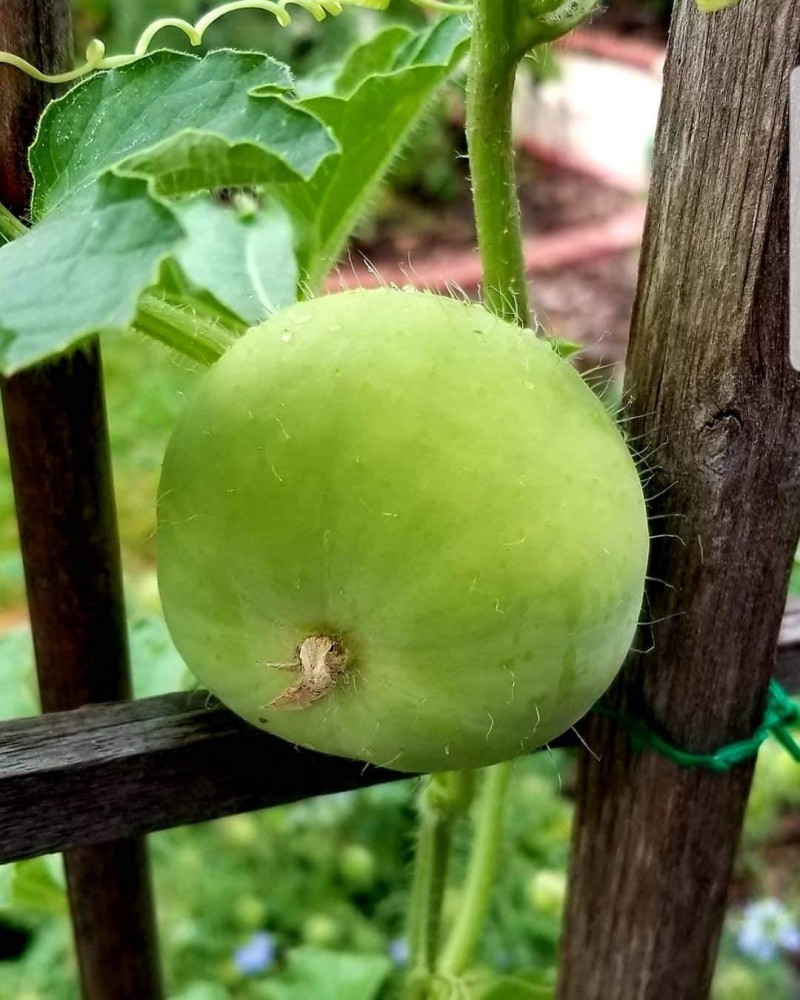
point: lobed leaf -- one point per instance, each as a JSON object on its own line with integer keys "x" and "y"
{"x": 371, "y": 114}
{"x": 253, "y": 270}
{"x": 369, "y": 59}
{"x": 37, "y": 886}
{"x": 117, "y": 156}
{"x": 81, "y": 271}
{"x": 183, "y": 123}
{"x": 106, "y": 157}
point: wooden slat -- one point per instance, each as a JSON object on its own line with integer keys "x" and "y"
{"x": 716, "y": 406}
{"x": 61, "y": 471}
{"x": 79, "y": 778}
{"x": 100, "y": 772}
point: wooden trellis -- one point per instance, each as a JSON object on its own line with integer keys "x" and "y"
{"x": 713, "y": 393}
{"x": 708, "y": 362}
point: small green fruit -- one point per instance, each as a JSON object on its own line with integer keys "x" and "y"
{"x": 249, "y": 913}
{"x": 357, "y": 867}
{"x": 546, "y": 892}
{"x": 395, "y": 528}
{"x": 321, "y": 931}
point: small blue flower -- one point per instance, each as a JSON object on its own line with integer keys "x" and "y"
{"x": 766, "y": 930}
{"x": 398, "y": 951}
{"x": 789, "y": 939}
{"x": 256, "y": 956}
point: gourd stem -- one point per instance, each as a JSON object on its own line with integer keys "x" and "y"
{"x": 494, "y": 57}
{"x": 183, "y": 330}
{"x": 442, "y": 803}
{"x": 10, "y": 226}
{"x": 481, "y": 872}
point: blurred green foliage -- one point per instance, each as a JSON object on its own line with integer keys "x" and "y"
{"x": 794, "y": 582}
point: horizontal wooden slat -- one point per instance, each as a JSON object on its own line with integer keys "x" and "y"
{"x": 105, "y": 771}
{"x": 70, "y": 779}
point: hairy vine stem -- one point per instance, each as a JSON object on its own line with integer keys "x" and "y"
{"x": 481, "y": 872}
{"x": 183, "y": 330}
{"x": 494, "y": 58}
{"x": 10, "y": 226}
{"x": 442, "y": 803}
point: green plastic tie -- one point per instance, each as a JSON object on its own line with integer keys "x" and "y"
{"x": 781, "y": 716}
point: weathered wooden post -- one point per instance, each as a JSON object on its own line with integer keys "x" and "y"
{"x": 60, "y": 463}
{"x": 712, "y": 391}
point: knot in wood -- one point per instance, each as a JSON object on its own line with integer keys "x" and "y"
{"x": 720, "y": 440}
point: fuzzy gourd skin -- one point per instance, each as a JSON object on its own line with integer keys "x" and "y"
{"x": 432, "y": 488}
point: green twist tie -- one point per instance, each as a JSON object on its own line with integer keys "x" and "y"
{"x": 781, "y": 716}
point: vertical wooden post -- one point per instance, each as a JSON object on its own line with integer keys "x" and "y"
{"x": 712, "y": 391}
{"x": 60, "y": 463}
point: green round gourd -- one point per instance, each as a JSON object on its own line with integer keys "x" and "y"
{"x": 395, "y": 528}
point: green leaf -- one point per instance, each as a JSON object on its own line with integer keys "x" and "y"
{"x": 148, "y": 119}
{"x": 37, "y": 885}
{"x": 6, "y": 885}
{"x": 564, "y": 348}
{"x": 252, "y": 269}
{"x": 176, "y": 289}
{"x": 379, "y": 55}
{"x": 329, "y": 975}
{"x": 157, "y": 666}
{"x": 371, "y": 125}
{"x": 81, "y": 271}
{"x": 203, "y": 991}
{"x": 18, "y": 698}
{"x": 106, "y": 155}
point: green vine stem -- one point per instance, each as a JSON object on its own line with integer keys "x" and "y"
{"x": 10, "y": 226}
{"x": 443, "y": 801}
{"x": 481, "y": 872}
{"x": 503, "y": 31}
{"x": 494, "y": 59}
{"x": 184, "y": 330}
{"x": 444, "y": 7}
